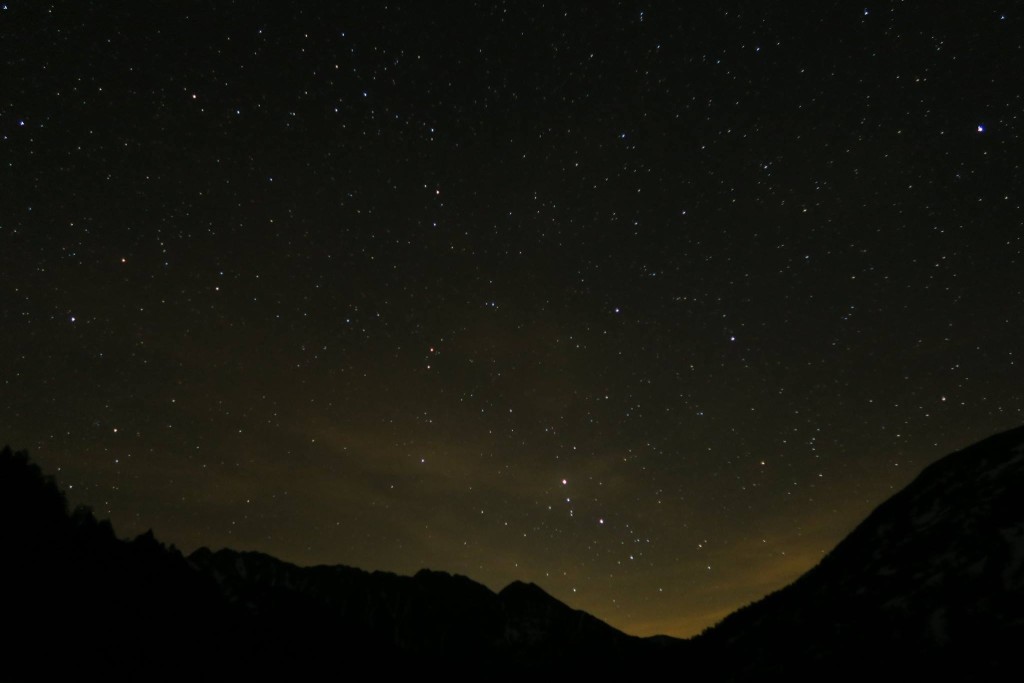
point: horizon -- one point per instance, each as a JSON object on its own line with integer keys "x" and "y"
{"x": 690, "y": 625}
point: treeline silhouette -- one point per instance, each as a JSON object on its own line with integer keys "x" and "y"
{"x": 78, "y": 600}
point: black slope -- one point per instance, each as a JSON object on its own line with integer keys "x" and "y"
{"x": 75, "y": 600}
{"x": 931, "y": 583}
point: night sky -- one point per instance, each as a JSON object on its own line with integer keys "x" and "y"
{"x": 647, "y": 303}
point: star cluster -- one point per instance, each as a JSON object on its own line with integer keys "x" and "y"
{"x": 648, "y": 303}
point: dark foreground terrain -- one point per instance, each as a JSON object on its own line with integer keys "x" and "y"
{"x": 931, "y": 584}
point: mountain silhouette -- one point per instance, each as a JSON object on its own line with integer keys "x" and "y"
{"x": 131, "y": 610}
{"x": 432, "y": 616}
{"x": 931, "y": 584}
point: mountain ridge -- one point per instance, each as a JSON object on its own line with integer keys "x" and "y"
{"x": 519, "y": 616}
{"x": 931, "y": 582}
